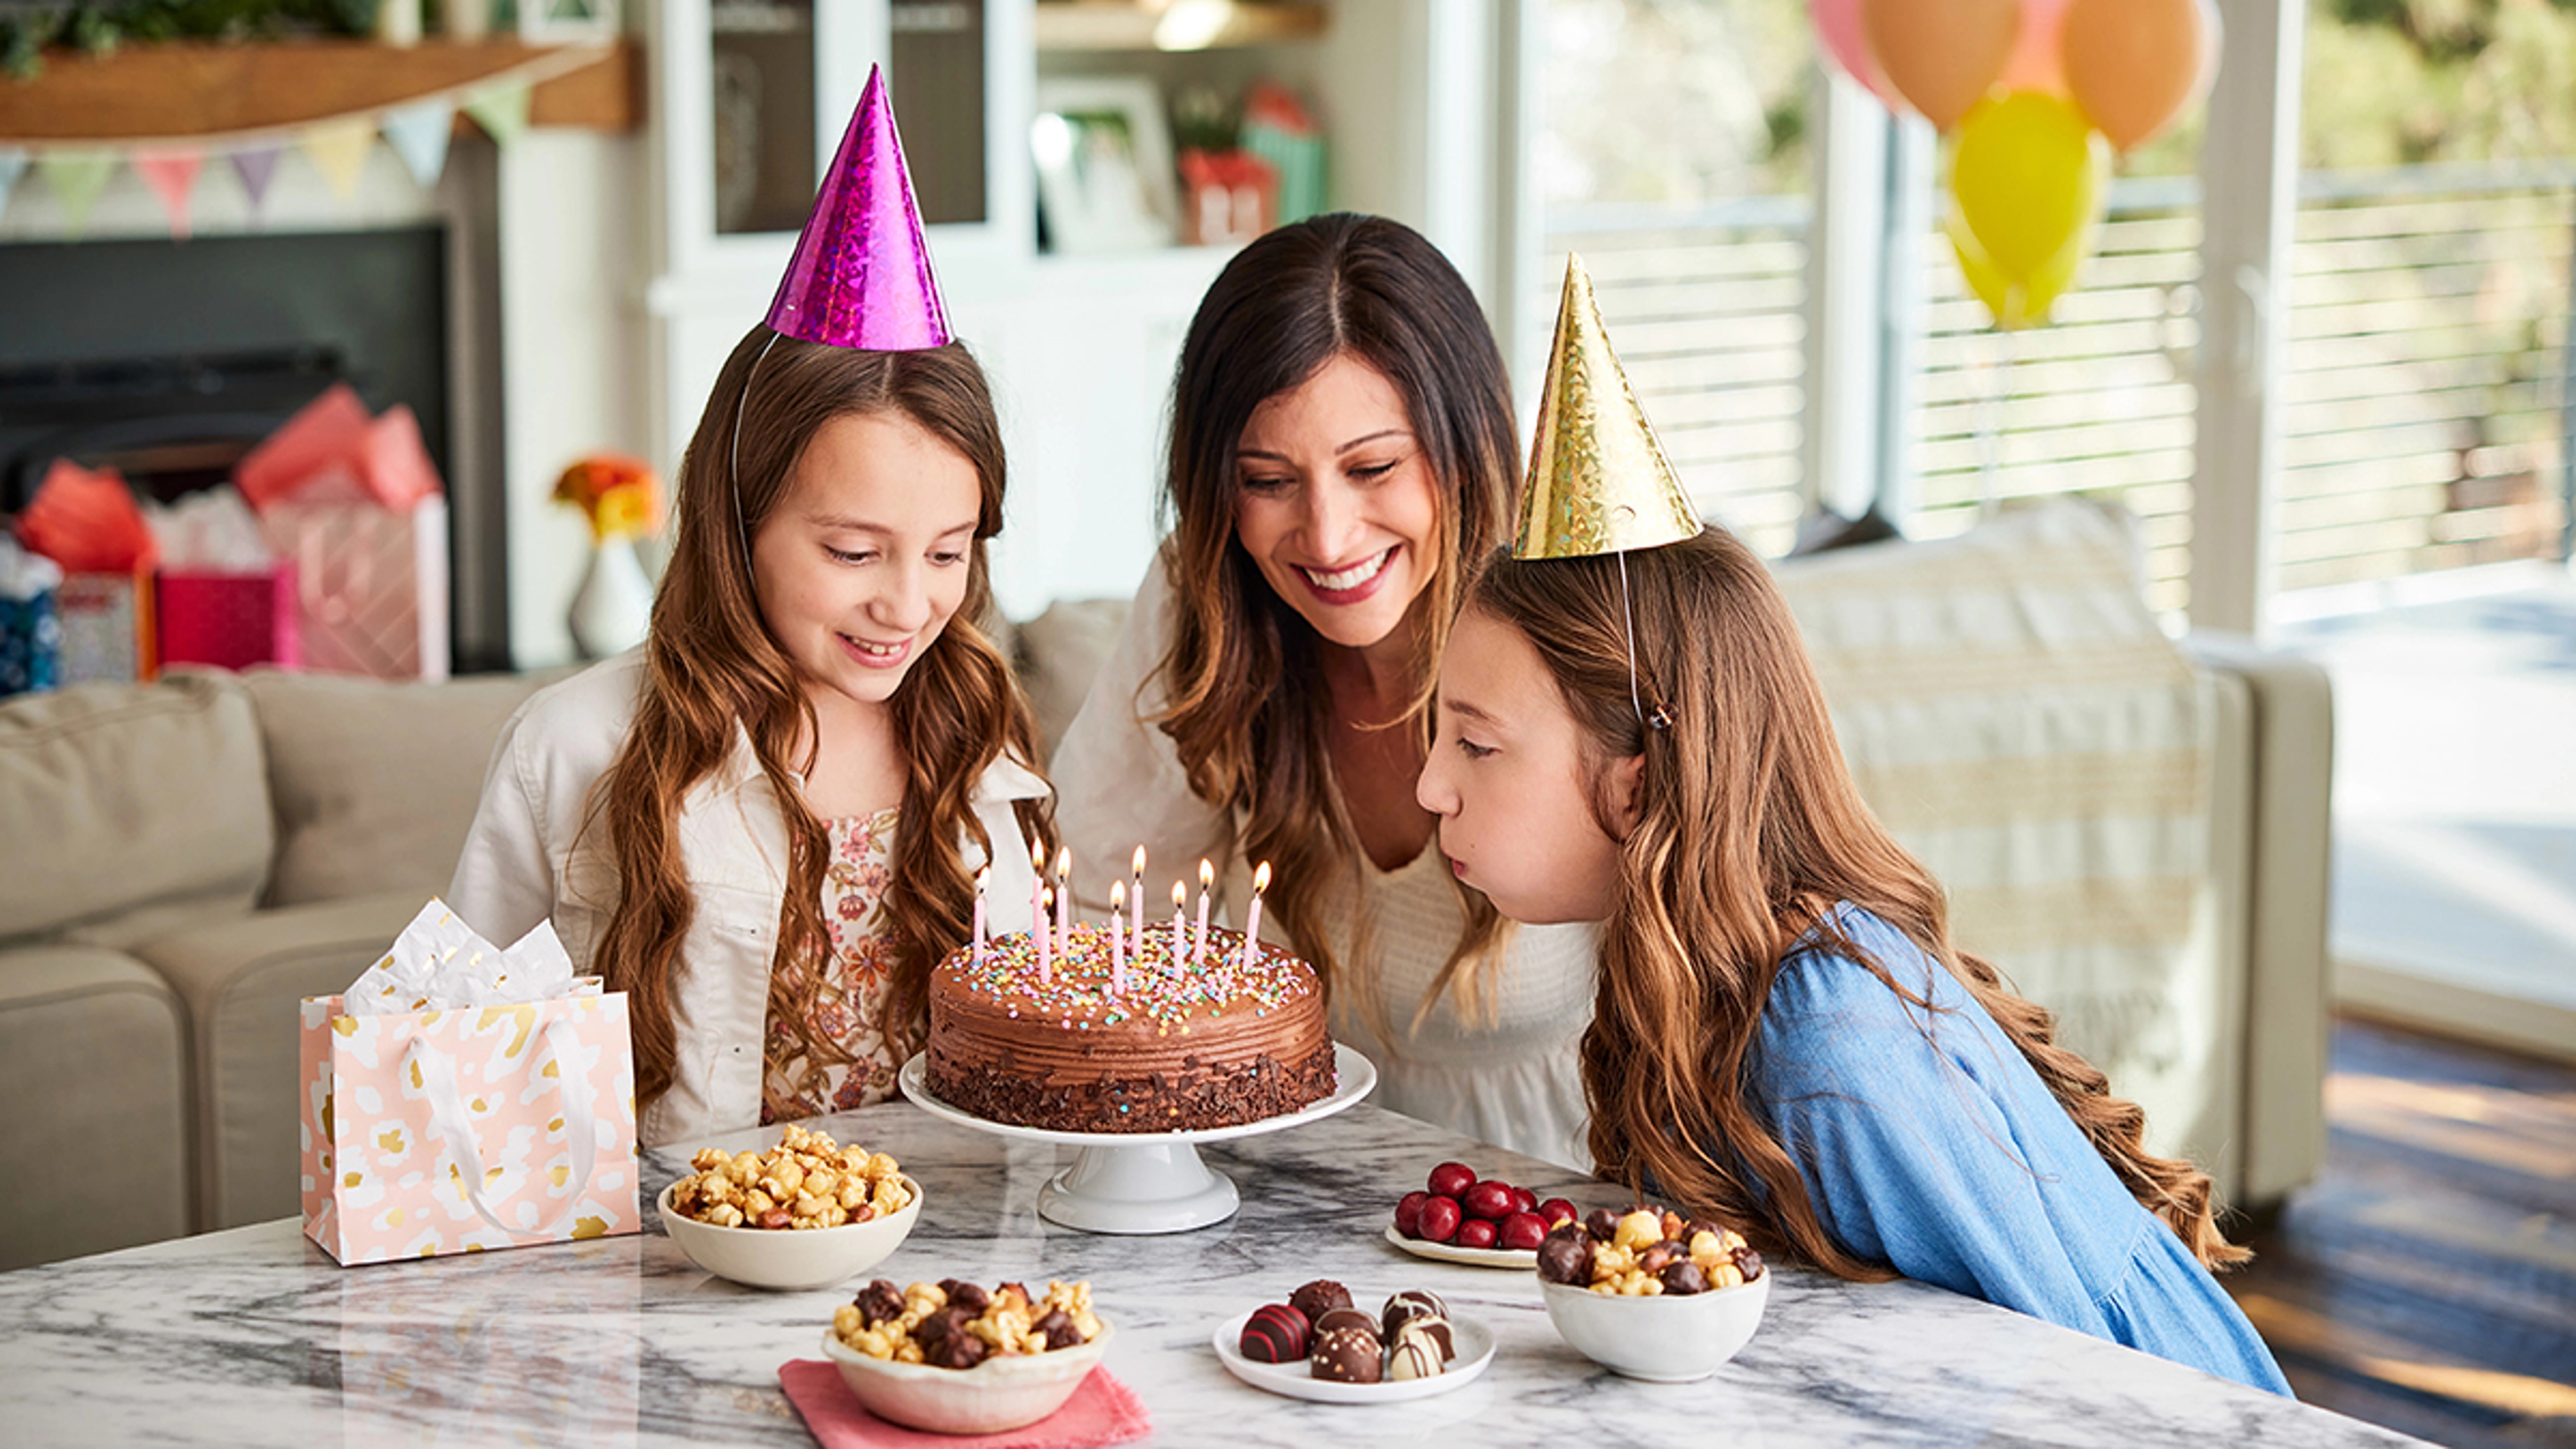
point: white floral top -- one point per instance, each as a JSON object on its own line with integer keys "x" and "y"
{"x": 853, "y": 979}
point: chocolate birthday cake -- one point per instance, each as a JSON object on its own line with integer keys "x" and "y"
{"x": 1163, "y": 1045}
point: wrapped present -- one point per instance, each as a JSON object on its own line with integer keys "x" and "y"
{"x": 370, "y": 585}
{"x": 31, "y": 633}
{"x": 353, "y": 505}
{"x": 230, "y": 620}
{"x": 459, "y": 1098}
{"x": 106, "y": 626}
{"x": 1278, "y": 128}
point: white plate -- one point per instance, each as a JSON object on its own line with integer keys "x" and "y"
{"x": 1297, "y": 1380}
{"x": 1525, "y": 1259}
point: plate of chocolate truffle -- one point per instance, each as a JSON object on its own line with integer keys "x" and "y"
{"x": 1318, "y": 1346}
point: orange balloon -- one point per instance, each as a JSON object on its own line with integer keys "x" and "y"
{"x": 2134, "y": 65}
{"x": 2036, "y": 64}
{"x": 1941, "y": 55}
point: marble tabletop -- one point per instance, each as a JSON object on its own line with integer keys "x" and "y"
{"x": 255, "y": 1337}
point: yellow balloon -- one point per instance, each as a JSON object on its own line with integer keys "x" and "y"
{"x": 2015, "y": 303}
{"x": 2027, "y": 178}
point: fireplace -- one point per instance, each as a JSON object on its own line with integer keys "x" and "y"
{"x": 169, "y": 360}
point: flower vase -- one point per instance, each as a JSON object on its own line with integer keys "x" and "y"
{"x": 614, "y": 605}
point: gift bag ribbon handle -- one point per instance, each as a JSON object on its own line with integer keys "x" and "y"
{"x": 448, "y": 1116}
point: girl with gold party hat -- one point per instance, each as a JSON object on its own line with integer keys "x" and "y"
{"x": 1785, "y": 1035}
{"x": 765, "y": 824}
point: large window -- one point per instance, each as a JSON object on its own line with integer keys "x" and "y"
{"x": 1674, "y": 160}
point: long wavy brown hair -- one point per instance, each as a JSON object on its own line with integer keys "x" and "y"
{"x": 1247, "y": 704}
{"x": 714, "y": 673}
{"x": 1743, "y": 834}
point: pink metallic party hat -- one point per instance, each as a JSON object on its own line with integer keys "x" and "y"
{"x": 861, "y": 275}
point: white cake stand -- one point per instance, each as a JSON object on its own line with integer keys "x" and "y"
{"x": 1143, "y": 1182}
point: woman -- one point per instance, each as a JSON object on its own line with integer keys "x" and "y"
{"x": 764, "y": 825}
{"x": 1342, "y": 443}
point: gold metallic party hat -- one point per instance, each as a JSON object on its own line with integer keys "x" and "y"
{"x": 1598, "y": 480}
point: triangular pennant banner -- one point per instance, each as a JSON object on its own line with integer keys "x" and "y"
{"x": 419, "y": 133}
{"x": 172, "y": 175}
{"x": 502, "y": 112}
{"x": 77, "y": 177}
{"x": 13, "y": 164}
{"x": 339, "y": 149}
{"x": 256, "y": 168}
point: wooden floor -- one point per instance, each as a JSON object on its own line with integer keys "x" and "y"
{"x": 2427, "y": 1279}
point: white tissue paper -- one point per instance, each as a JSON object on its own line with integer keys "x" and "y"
{"x": 210, "y": 532}
{"x": 24, "y": 575}
{"x": 439, "y": 964}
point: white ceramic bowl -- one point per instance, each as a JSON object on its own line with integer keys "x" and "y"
{"x": 790, "y": 1258}
{"x": 1668, "y": 1339}
{"x": 997, "y": 1394}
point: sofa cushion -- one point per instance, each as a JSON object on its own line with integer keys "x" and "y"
{"x": 93, "y": 1065}
{"x": 139, "y": 793}
{"x": 1056, "y": 656}
{"x": 375, "y": 784}
{"x": 241, "y": 981}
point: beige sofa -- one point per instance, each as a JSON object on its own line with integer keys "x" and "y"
{"x": 2136, "y": 833}
{"x": 184, "y": 861}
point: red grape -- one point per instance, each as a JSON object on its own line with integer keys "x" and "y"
{"x": 1440, "y": 1219}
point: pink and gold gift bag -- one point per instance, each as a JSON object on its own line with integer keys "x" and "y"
{"x": 483, "y": 1127}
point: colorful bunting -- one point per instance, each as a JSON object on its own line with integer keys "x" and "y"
{"x": 339, "y": 149}
{"x": 171, "y": 172}
{"x": 502, "y": 112}
{"x": 257, "y": 167}
{"x": 77, "y": 177}
{"x": 418, "y": 133}
{"x": 13, "y": 164}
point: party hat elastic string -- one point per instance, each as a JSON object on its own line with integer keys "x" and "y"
{"x": 1662, "y": 718}
{"x": 733, "y": 453}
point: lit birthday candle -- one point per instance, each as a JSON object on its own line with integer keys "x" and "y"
{"x": 1045, "y": 937}
{"x": 1207, "y": 887}
{"x": 1180, "y": 926}
{"x": 1064, "y": 901}
{"x": 1252, "y": 918}
{"x": 1117, "y": 936}
{"x": 983, "y": 880}
{"x": 1136, "y": 893}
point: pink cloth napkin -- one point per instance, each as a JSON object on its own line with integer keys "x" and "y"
{"x": 1102, "y": 1411}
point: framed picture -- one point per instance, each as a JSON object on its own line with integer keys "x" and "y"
{"x": 1104, "y": 161}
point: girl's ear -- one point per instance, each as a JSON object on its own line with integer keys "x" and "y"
{"x": 1625, "y": 776}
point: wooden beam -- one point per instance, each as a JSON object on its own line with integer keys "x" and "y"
{"x": 191, "y": 89}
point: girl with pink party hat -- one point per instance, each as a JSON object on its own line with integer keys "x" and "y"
{"x": 765, "y": 824}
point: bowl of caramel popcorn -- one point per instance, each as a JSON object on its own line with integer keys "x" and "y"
{"x": 807, "y": 1213}
{"x": 1650, "y": 1294}
{"x": 956, "y": 1358}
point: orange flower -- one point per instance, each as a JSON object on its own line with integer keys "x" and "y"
{"x": 618, "y": 493}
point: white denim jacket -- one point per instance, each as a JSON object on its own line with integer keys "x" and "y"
{"x": 528, "y": 859}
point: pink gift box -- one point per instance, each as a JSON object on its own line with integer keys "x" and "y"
{"x": 230, "y": 621}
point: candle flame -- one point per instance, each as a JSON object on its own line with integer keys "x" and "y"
{"x": 1037, "y": 856}
{"x": 1140, "y": 860}
{"x": 1207, "y": 876}
{"x": 1117, "y": 894}
{"x": 1064, "y": 863}
{"x": 1180, "y": 895}
{"x": 983, "y": 878}
{"x": 1261, "y": 877}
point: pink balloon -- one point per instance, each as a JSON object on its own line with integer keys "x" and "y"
{"x": 2036, "y": 63}
{"x": 1838, "y": 29}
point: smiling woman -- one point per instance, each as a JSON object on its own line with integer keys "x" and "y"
{"x": 1342, "y": 442}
